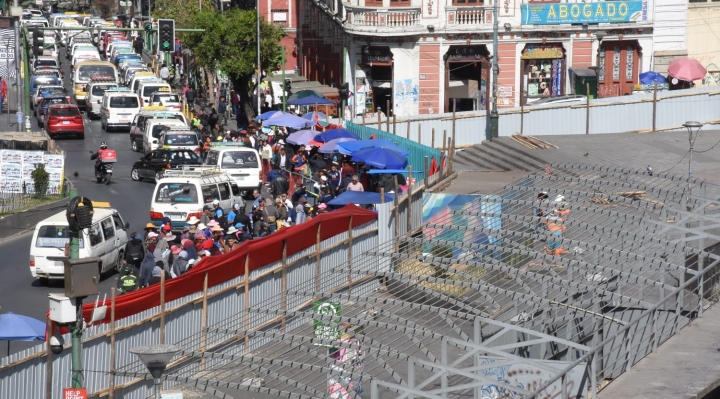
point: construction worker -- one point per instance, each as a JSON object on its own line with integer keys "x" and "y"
{"x": 561, "y": 206}
{"x": 554, "y": 243}
{"x": 128, "y": 282}
{"x": 540, "y": 203}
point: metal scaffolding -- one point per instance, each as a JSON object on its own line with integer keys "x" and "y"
{"x": 486, "y": 301}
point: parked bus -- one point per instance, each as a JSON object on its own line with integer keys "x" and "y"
{"x": 83, "y": 73}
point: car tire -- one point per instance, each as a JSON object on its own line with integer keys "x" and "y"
{"x": 134, "y": 145}
{"x": 43, "y": 281}
{"x": 119, "y": 263}
{"x": 158, "y": 176}
{"x": 135, "y": 175}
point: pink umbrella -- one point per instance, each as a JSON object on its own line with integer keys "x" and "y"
{"x": 687, "y": 69}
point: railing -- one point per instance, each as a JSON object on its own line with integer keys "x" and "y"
{"x": 465, "y": 15}
{"x": 395, "y": 18}
{"x": 24, "y": 198}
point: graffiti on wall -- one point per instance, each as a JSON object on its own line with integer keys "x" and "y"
{"x": 406, "y": 97}
{"x": 528, "y": 377}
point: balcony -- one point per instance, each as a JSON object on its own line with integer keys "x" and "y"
{"x": 468, "y": 15}
{"x": 382, "y": 20}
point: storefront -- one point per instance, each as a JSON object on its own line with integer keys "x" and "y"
{"x": 377, "y": 65}
{"x": 467, "y": 82}
{"x": 543, "y": 67}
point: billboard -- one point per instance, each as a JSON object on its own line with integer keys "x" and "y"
{"x": 584, "y": 13}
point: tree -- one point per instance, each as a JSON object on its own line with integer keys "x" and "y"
{"x": 229, "y": 43}
{"x": 40, "y": 179}
{"x": 182, "y": 11}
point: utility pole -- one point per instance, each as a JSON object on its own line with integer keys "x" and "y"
{"x": 257, "y": 73}
{"x": 77, "y": 367}
{"x": 284, "y": 93}
{"x": 18, "y": 81}
{"x": 494, "y": 112}
{"x": 344, "y": 80}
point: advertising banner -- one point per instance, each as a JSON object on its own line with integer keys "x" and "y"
{"x": 584, "y": 13}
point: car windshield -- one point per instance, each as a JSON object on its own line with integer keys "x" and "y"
{"x": 51, "y": 63}
{"x": 99, "y": 90}
{"x": 54, "y": 100}
{"x": 184, "y": 156}
{"x": 65, "y": 111}
{"x": 85, "y": 72}
{"x": 157, "y": 129}
{"x": 166, "y": 98}
{"x": 181, "y": 139}
{"x": 54, "y": 237}
{"x": 52, "y": 93}
{"x": 148, "y": 90}
{"x": 239, "y": 159}
{"x": 124, "y": 102}
{"x": 184, "y": 193}
{"x": 46, "y": 80}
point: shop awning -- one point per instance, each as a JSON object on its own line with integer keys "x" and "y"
{"x": 584, "y": 72}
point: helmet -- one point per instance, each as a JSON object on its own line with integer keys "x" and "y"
{"x": 103, "y": 145}
{"x": 560, "y": 198}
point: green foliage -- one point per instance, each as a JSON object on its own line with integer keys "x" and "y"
{"x": 229, "y": 43}
{"x": 182, "y": 11}
{"x": 41, "y": 178}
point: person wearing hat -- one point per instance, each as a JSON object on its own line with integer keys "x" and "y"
{"x": 150, "y": 226}
{"x": 128, "y": 282}
{"x": 242, "y": 218}
{"x": 189, "y": 247}
{"x": 134, "y": 251}
{"x": 325, "y": 195}
{"x": 539, "y": 209}
{"x": 210, "y": 247}
{"x": 218, "y": 214}
{"x": 321, "y": 208}
{"x": 230, "y": 219}
{"x": 146, "y": 268}
{"x": 300, "y": 215}
{"x": 207, "y": 215}
{"x": 156, "y": 275}
{"x": 166, "y": 230}
{"x": 560, "y": 206}
{"x": 180, "y": 264}
{"x": 282, "y": 212}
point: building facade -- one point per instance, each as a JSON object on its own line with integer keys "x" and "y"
{"x": 703, "y": 38}
{"x": 430, "y": 56}
{"x": 284, "y": 13}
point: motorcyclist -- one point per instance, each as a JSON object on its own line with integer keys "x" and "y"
{"x": 98, "y": 156}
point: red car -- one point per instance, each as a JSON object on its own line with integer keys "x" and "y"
{"x": 64, "y": 119}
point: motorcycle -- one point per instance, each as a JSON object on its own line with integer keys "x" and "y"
{"x": 103, "y": 172}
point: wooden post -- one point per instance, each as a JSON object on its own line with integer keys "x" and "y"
{"x": 48, "y": 361}
{"x": 444, "y": 143}
{"x": 387, "y": 117}
{"x": 453, "y": 120}
{"x": 162, "y": 308}
{"x": 408, "y": 130}
{"x": 587, "y": 109}
{"x": 419, "y": 133}
{"x": 397, "y": 207}
{"x": 203, "y": 339}
{"x": 394, "y": 124}
{"x": 451, "y": 154}
{"x": 654, "y": 115}
{"x": 379, "y": 119}
{"x": 363, "y": 118}
{"x": 409, "y": 200}
{"x": 350, "y": 252}
{"x": 283, "y": 285}
{"x": 522, "y": 115}
{"x": 317, "y": 258}
{"x": 111, "y": 394}
{"x": 246, "y": 282}
{"x": 432, "y": 138}
{"x": 426, "y": 172}
{"x": 382, "y": 195}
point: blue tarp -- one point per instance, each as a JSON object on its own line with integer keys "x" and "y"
{"x": 353, "y": 146}
{"x": 268, "y": 115}
{"x": 649, "y": 77}
{"x": 333, "y": 134}
{"x": 359, "y": 198}
{"x": 391, "y": 171}
{"x": 311, "y": 100}
{"x": 383, "y": 158}
{"x": 289, "y": 120}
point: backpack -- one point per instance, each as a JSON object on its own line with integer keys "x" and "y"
{"x": 293, "y": 214}
{"x": 135, "y": 252}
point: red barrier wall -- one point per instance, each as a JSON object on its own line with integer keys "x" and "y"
{"x": 263, "y": 251}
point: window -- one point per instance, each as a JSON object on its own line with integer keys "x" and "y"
{"x": 373, "y": 3}
{"x": 88, "y": 71}
{"x": 108, "y": 229}
{"x": 65, "y": 112}
{"x": 171, "y": 193}
{"x": 119, "y": 225}
{"x": 185, "y": 139}
{"x": 210, "y": 193}
{"x": 235, "y": 190}
{"x": 54, "y": 237}
{"x": 148, "y": 90}
{"x": 99, "y": 90}
{"x": 239, "y": 159}
{"x": 467, "y": 2}
{"x": 399, "y": 3}
{"x": 212, "y": 158}
{"x": 124, "y": 102}
{"x": 95, "y": 235}
{"x": 53, "y": 101}
{"x": 224, "y": 191}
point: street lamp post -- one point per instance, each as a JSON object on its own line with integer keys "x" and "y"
{"x": 600, "y": 35}
{"x": 156, "y": 359}
{"x": 690, "y": 125}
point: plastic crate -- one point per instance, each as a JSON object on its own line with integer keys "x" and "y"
{"x": 109, "y": 156}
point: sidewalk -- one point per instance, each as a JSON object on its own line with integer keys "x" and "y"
{"x": 8, "y": 120}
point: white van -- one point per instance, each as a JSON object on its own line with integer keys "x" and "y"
{"x": 241, "y": 163}
{"x": 153, "y": 129}
{"x": 106, "y": 239}
{"x": 118, "y": 108}
{"x": 95, "y": 91}
{"x": 139, "y": 77}
{"x": 179, "y": 138}
{"x": 147, "y": 87}
{"x": 182, "y": 193}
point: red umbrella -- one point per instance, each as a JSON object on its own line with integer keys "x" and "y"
{"x": 687, "y": 69}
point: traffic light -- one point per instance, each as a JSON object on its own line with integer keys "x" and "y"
{"x": 288, "y": 87}
{"x": 344, "y": 91}
{"x": 38, "y": 41}
{"x": 148, "y": 26}
{"x": 166, "y": 35}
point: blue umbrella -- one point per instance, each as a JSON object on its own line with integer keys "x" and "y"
{"x": 383, "y": 158}
{"x": 301, "y": 137}
{"x": 311, "y": 100}
{"x": 375, "y": 143}
{"x": 359, "y": 198}
{"x": 649, "y": 77}
{"x": 311, "y": 116}
{"x": 289, "y": 120}
{"x": 333, "y": 134}
{"x": 268, "y": 115}
{"x": 15, "y": 327}
{"x": 333, "y": 146}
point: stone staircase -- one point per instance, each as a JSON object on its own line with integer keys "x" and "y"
{"x": 503, "y": 154}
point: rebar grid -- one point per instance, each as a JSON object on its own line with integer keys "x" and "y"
{"x": 478, "y": 283}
